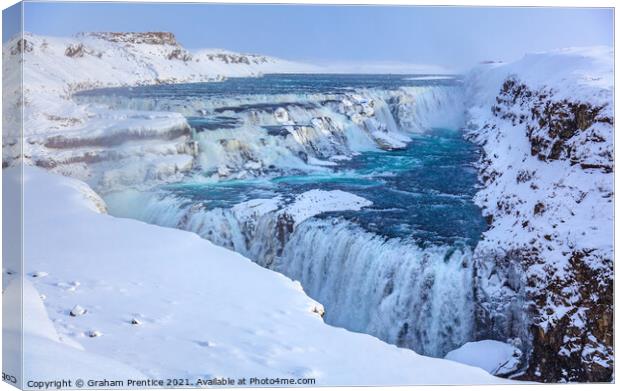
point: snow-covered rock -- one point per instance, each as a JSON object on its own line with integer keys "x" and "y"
{"x": 302, "y": 207}
{"x": 314, "y": 202}
{"x": 495, "y": 357}
{"x": 545, "y": 266}
{"x": 230, "y": 316}
{"x": 77, "y": 311}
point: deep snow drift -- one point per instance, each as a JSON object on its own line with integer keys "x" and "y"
{"x": 154, "y": 297}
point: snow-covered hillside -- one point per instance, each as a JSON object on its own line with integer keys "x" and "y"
{"x": 545, "y": 266}
{"x": 76, "y": 63}
{"x": 151, "y": 302}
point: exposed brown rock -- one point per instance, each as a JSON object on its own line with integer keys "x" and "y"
{"x": 151, "y": 37}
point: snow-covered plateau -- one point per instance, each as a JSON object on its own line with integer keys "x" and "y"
{"x": 298, "y": 160}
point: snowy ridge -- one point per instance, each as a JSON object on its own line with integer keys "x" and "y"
{"x": 545, "y": 267}
{"x": 259, "y": 323}
{"x": 315, "y": 202}
{"x": 497, "y": 358}
{"x": 75, "y": 63}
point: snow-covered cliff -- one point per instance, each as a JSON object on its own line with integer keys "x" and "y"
{"x": 545, "y": 266}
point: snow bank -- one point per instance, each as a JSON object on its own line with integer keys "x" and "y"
{"x": 203, "y": 311}
{"x": 495, "y": 357}
{"x": 46, "y": 354}
{"x": 584, "y": 72}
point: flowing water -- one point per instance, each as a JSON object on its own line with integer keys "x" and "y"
{"x": 399, "y": 269}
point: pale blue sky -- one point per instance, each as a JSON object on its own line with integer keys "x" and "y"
{"x": 453, "y": 37}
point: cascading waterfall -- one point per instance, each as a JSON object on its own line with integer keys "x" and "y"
{"x": 251, "y": 135}
{"x": 413, "y": 295}
{"x": 398, "y": 292}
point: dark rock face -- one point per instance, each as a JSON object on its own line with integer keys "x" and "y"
{"x": 556, "y": 128}
{"x": 180, "y": 54}
{"x": 22, "y": 46}
{"x": 552, "y": 297}
{"x": 151, "y": 38}
{"x": 75, "y": 51}
{"x": 570, "y": 350}
{"x": 284, "y": 228}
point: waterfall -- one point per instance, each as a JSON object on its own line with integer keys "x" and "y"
{"x": 256, "y": 135}
{"x": 403, "y": 294}
{"x": 412, "y": 296}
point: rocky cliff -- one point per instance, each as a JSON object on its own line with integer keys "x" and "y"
{"x": 545, "y": 267}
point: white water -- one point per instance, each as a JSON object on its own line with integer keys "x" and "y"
{"x": 398, "y": 292}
